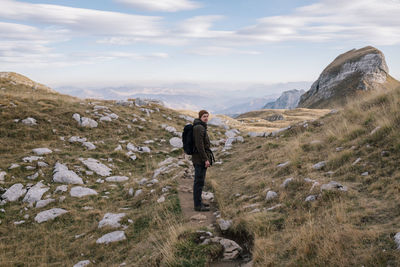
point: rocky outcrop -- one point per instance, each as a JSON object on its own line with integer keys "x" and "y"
{"x": 288, "y": 100}
{"x": 355, "y": 70}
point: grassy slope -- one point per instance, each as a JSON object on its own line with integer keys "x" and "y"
{"x": 340, "y": 228}
{"x": 53, "y": 243}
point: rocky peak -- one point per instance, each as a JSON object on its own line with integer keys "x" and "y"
{"x": 361, "y": 69}
{"x": 15, "y": 78}
{"x": 288, "y": 100}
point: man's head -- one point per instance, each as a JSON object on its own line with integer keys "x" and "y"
{"x": 203, "y": 115}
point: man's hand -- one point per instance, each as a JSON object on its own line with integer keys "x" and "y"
{"x": 207, "y": 164}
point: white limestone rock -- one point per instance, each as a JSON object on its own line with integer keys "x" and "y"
{"x": 31, "y": 159}
{"x": 50, "y": 214}
{"x": 79, "y": 191}
{"x": 118, "y": 148}
{"x": 319, "y": 165}
{"x": 14, "y": 193}
{"x": 207, "y": 196}
{"x": 77, "y": 139}
{"x": 82, "y": 263}
{"x": 224, "y": 224}
{"x": 332, "y": 186}
{"x": 311, "y": 198}
{"x": 271, "y": 195}
{"x": 33, "y": 176}
{"x": 117, "y": 179}
{"x": 63, "y": 175}
{"x": 35, "y": 193}
{"x": 281, "y": 165}
{"x": 287, "y": 182}
{"x": 111, "y": 220}
{"x": 42, "y": 164}
{"x": 138, "y": 192}
{"x": 161, "y": 199}
{"x": 96, "y": 166}
{"x": 106, "y": 118}
{"x": 42, "y": 151}
{"x": 176, "y": 142}
{"x": 43, "y": 203}
{"x": 2, "y": 175}
{"x": 89, "y": 145}
{"x": 111, "y": 237}
{"x": 397, "y": 240}
{"x": 61, "y": 188}
{"x": 14, "y": 166}
{"x": 29, "y": 121}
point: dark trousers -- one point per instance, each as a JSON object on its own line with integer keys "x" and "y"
{"x": 199, "y": 177}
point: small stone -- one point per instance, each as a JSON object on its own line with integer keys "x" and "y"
{"x": 319, "y": 165}
{"x": 281, "y": 165}
{"x": 271, "y": 195}
{"x": 111, "y": 220}
{"x": 138, "y": 192}
{"x": 397, "y": 240}
{"x": 287, "y": 182}
{"x": 333, "y": 185}
{"x": 111, "y": 237}
{"x": 49, "y": 214}
{"x": 42, "y": 151}
{"x": 176, "y": 142}
{"x": 224, "y": 224}
{"x": 130, "y": 192}
{"x": 96, "y": 166}
{"x": 79, "y": 191}
{"x": 82, "y": 263}
{"x": 161, "y": 199}
{"x": 42, "y": 164}
{"x": 311, "y": 198}
{"x": 14, "y": 193}
{"x": 14, "y": 166}
{"x": 356, "y": 161}
{"x": 117, "y": 179}
{"x": 61, "y": 188}
{"x": 375, "y": 130}
{"x": 364, "y": 174}
{"x": 89, "y": 145}
{"x": 198, "y": 217}
{"x": 29, "y": 121}
{"x": 20, "y": 222}
{"x": 44, "y": 203}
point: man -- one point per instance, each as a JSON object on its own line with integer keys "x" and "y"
{"x": 201, "y": 158}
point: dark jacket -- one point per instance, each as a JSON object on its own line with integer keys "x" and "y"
{"x": 201, "y": 142}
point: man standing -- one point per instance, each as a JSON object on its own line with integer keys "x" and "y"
{"x": 201, "y": 158}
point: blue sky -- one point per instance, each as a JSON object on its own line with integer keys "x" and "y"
{"x": 119, "y": 42}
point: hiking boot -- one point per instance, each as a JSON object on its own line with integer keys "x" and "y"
{"x": 202, "y": 208}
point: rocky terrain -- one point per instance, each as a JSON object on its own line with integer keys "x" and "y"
{"x": 106, "y": 183}
{"x": 288, "y": 100}
{"x": 354, "y": 71}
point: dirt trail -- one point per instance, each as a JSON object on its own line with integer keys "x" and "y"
{"x": 198, "y": 219}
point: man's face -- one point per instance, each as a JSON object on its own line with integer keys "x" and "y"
{"x": 204, "y": 118}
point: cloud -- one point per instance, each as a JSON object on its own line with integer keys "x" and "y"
{"x": 371, "y": 21}
{"x": 161, "y": 5}
{"x": 81, "y": 20}
{"x": 219, "y": 51}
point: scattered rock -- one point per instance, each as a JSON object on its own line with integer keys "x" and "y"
{"x": 311, "y": 198}
{"x": 118, "y": 148}
{"x": 89, "y": 145}
{"x": 42, "y": 164}
{"x": 287, "y": 182}
{"x": 231, "y": 249}
{"x": 256, "y": 134}
{"x": 14, "y": 193}
{"x": 356, "y": 161}
{"x": 79, "y": 191}
{"x": 29, "y": 121}
{"x": 111, "y": 220}
{"x": 365, "y": 174}
{"x": 85, "y": 122}
{"x": 14, "y": 166}
{"x": 76, "y": 139}
{"x": 96, "y": 166}
{"x": 61, "y": 188}
{"x": 332, "y": 185}
{"x": 33, "y": 176}
{"x": 138, "y": 192}
{"x": 111, "y": 237}
{"x": 42, "y": 151}
{"x": 176, "y": 142}
{"x": 281, "y": 165}
{"x": 207, "y": 196}
{"x": 375, "y": 130}
{"x": 117, "y": 179}
{"x": 161, "y": 199}
{"x": 43, "y": 203}
{"x": 271, "y": 195}
{"x": 35, "y": 193}
{"x": 63, "y": 175}
{"x": 31, "y": 159}
{"x": 319, "y": 165}
{"x": 2, "y": 175}
{"x": 274, "y": 207}
{"x": 19, "y": 222}
{"x": 82, "y": 263}
{"x": 397, "y": 240}
{"x": 224, "y": 224}
{"x": 49, "y": 214}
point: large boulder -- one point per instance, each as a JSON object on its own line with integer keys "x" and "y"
{"x": 63, "y": 175}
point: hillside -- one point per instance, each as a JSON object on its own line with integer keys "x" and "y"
{"x": 324, "y": 193}
{"x": 288, "y": 100}
{"x": 105, "y": 188}
{"x": 350, "y": 73}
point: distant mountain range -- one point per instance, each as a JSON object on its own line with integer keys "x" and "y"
{"x": 229, "y": 99}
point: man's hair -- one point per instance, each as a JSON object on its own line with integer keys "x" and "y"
{"x": 202, "y": 112}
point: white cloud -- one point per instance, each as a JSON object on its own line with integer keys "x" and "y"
{"x": 373, "y": 21}
{"x": 81, "y": 20}
{"x": 219, "y": 51}
{"x": 162, "y": 5}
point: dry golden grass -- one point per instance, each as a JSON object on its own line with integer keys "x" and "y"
{"x": 54, "y": 243}
{"x": 340, "y": 228}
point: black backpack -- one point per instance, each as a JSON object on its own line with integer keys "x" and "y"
{"x": 188, "y": 139}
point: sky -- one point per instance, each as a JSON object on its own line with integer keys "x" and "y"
{"x": 120, "y": 42}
